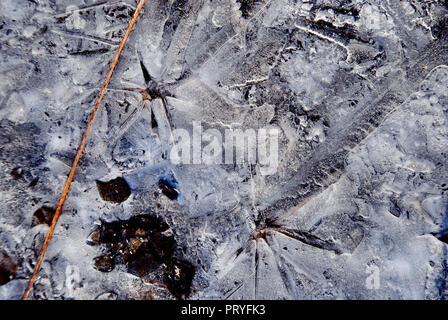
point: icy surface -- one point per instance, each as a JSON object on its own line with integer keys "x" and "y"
{"x": 359, "y": 90}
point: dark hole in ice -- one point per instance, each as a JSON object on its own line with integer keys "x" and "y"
{"x": 43, "y": 215}
{"x": 17, "y": 173}
{"x": 144, "y": 243}
{"x": 116, "y": 190}
{"x": 8, "y": 268}
{"x": 168, "y": 188}
{"x": 34, "y": 182}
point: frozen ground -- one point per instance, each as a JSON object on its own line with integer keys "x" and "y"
{"x": 356, "y": 210}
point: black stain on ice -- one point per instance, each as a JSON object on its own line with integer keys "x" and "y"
{"x": 34, "y": 182}
{"x": 169, "y": 189}
{"x": 17, "y": 173}
{"x": 8, "y": 268}
{"x": 247, "y": 7}
{"x": 43, "y": 215}
{"x": 144, "y": 244}
{"x": 178, "y": 277}
{"x": 116, "y": 190}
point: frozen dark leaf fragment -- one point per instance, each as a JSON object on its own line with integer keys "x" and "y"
{"x": 115, "y": 191}
{"x": 163, "y": 244}
{"x": 145, "y": 244}
{"x": 110, "y": 232}
{"x": 137, "y": 226}
{"x": 17, "y": 173}
{"x": 169, "y": 189}
{"x": 178, "y": 277}
{"x": 104, "y": 263}
{"x": 8, "y": 268}
{"x": 43, "y": 215}
{"x": 142, "y": 263}
{"x": 94, "y": 237}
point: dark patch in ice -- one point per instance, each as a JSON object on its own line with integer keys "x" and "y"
{"x": 17, "y": 173}
{"x": 247, "y": 7}
{"x": 116, "y": 190}
{"x": 145, "y": 244}
{"x": 43, "y": 215}
{"x": 34, "y": 182}
{"x": 169, "y": 189}
{"x": 178, "y": 277}
{"x": 8, "y": 268}
{"x": 104, "y": 263}
{"x": 443, "y": 237}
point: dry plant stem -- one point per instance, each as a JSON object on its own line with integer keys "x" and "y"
{"x": 81, "y": 149}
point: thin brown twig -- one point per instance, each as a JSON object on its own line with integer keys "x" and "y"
{"x": 81, "y": 149}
